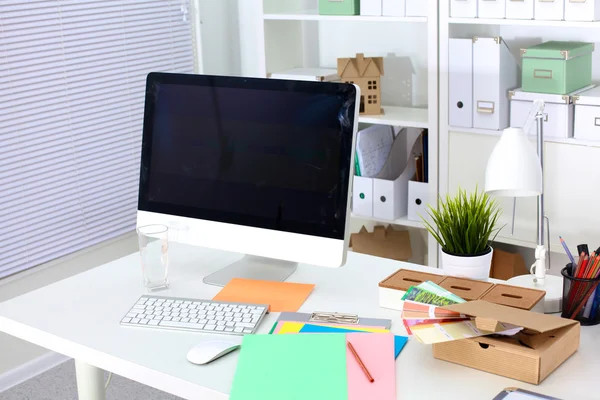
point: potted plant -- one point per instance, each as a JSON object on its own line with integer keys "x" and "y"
{"x": 465, "y": 227}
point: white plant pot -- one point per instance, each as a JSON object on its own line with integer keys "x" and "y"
{"x": 477, "y": 267}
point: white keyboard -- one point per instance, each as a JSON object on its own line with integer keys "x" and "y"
{"x": 205, "y": 316}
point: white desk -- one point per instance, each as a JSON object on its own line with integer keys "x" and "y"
{"x": 79, "y": 317}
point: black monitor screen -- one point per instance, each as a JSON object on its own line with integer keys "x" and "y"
{"x": 257, "y": 152}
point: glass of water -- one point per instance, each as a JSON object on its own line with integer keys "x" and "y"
{"x": 154, "y": 253}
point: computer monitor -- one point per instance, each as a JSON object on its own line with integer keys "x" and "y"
{"x": 261, "y": 167}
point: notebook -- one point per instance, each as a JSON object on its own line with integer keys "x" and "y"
{"x": 303, "y": 367}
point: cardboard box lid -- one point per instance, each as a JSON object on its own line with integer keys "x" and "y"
{"x": 588, "y": 98}
{"x": 468, "y": 289}
{"x": 493, "y": 312}
{"x": 405, "y": 278}
{"x": 383, "y": 242}
{"x": 514, "y": 296}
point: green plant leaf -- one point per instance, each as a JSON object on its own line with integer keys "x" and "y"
{"x": 464, "y": 224}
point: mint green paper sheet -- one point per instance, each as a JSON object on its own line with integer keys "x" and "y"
{"x": 291, "y": 367}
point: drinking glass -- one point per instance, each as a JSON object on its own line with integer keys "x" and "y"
{"x": 154, "y": 255}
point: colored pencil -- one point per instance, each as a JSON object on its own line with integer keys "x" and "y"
{"x": 564, "y": 245}
{"x": 359, "y": 361}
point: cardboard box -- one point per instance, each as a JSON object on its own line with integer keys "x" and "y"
{"x": 506, "y": 265}
{"x": 530, "y": 356}
{"x": 383, "y": 242}
{"x": 517, "y": 297}
{"x": 392, "y": 288}
{"x": 468, "y": 289}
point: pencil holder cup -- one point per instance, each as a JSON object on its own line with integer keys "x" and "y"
{"x": 581, "y": 298}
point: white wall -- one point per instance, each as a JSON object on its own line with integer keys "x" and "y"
{"x": 16, "y": 352}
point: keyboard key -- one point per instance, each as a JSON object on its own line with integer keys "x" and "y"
{"x": 247, "y": 330}
{"x": 221, "y": 323}
{"x": 172, "y": 324}
{"x": 187, "y": 302}
{"x": 194, "y": 320}
{"x": 246, "y": 320}
{"x": 185, "y": 320}
{"x": 210, "y": 327}
{"x": 135, "y": 320}
{"x": 211, "y": 312}
{"x": 238, "y": 329}
{"x": 245, "y": 325}
{"x": 126, "y": 320}
{"x": 141, "y": 315}
{"x": 220, "y": 328}
{"x": 143, "y": 321}
{"x": 229, "y": 314}
{"x": 238, "y": 314}
{"x": 241, "y": 306}
{"x": 220, "y": 318}
{"x": 167, "y": 318}
{"x": 203, "y": 321}
{"x": 176, "y": 319}
{"x": 201, "y": 307}
{"x": 220, "y": 313}
{"x": 184, "y": 306}
{"x": 230, "y": 323}
{"x": 153, "y": 322}
{"x": 202, "y": 312}
{"x": 169, "y": 301}
{"x": 228, "y": 329}
{"x": 228, "y": 318}
{"x": 131, "y": 315}
{"x": 237, "y": 320}
{"x": 157, "y": 317}
{"x": 192, "y": 307}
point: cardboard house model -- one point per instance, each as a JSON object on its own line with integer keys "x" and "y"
{"x": 366, "y": 73}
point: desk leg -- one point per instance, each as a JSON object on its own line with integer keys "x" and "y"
{"x": 90, "y": 382}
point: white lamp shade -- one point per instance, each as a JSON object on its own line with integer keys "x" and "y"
{"x": 514, "y": 168}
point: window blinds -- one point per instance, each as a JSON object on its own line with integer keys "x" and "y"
{"x": 72, "y": 80}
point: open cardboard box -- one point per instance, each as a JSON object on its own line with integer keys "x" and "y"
{"x": 530, "y": 356}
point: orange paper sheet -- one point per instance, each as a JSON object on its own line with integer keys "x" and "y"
{"x": 280, "y": 296}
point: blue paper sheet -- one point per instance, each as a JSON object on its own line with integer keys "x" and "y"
{"x": 399, "y": 341}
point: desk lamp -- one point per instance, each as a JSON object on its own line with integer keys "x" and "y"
{"x": 516, "y": 170}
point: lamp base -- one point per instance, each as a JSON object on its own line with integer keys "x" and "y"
{"x": 553, "y": 285}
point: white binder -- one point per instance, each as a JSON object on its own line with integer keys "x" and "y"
{"x": 362, "y": 196}
{"x": 582, "y": 10}
{"x": 393, "y": 8}
{"x": 495, "y": 72}
{"x": 519, "y": 9}
{"x": 460, "y": 68}
{"x": 463, "y": 8}
{"x": 550, "y": 10}
{"x": 370, "y": 7}
{"x": 416, "y": 8}
{"x": 491, "y": 9}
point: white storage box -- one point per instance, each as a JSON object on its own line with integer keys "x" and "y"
{"x": 460, "y": 95}
{"x": 495, "y": 72}
{"x": 491, "y": 9}
{"x": 582, "y": 10}
{"x": 549, "y": 10}
{"x": 463, "y": 8}
{"x": 418, "y": 199}
{"x": 371, "y": 7}
{"x": 587, "y": 114}
{"x": 416, "y": 8}
{"x": 558, "y": 112}
{"x": 393, "y": 8}
{"x": 519, "y": 9}
{"x": 362, "y": 196}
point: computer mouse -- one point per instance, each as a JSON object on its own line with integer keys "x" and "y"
{"x": 206, "y": 352}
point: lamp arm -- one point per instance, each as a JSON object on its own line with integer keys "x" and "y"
{"x": 537, "y": 108}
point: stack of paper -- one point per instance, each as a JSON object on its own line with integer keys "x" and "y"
{"x": 287, "y": 327}
{"x": 426, "y": 320}
{"x": 315, "y": 367}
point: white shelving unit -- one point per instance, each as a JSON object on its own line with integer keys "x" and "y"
{"x": 278, "y": 35}
{"x": 313, "y": 15}
{"x": 569, "y": 163}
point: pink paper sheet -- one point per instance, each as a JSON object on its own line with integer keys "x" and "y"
{"x": 377, "y": 353}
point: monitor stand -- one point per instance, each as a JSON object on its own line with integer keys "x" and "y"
{"x": 252, "y": 267}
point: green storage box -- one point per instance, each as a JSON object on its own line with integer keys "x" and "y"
{"x": 339, "y": 7}
{"x": 557, "y": 67}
